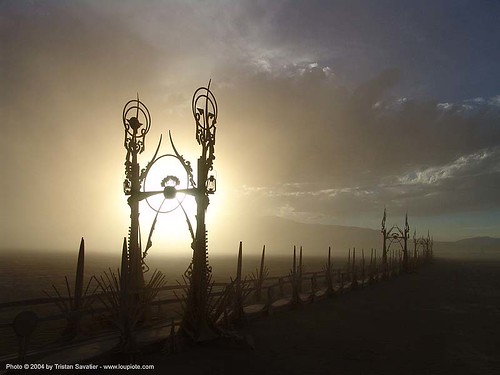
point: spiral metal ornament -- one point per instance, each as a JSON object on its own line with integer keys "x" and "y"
{"x": 204, "y": 108}
{"x": 137, "y": 122}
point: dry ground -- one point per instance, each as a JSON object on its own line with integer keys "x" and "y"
{"x": 444, "y": 319}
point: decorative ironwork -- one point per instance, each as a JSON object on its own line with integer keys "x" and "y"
{"x": 135, "y": 130}
{"x": 168, "y": 182}
{"x": 135, "y": 136}
{"x": 205, "y": 115}
{"x": 422, "y": 246}
{"x": 136, "y": 123}
{"x": 395, "y": 235}
{"x": 198, "y": 318}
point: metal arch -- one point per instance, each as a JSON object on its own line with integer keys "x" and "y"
{"x": 185, "y": 163}
{"x": 146, "y": 177}
{"x": 145, "y": 171}
{"x": 395, "y": 234}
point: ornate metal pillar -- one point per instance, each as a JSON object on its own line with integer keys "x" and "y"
{"x": 135, "y": 140}
{"x": 196, "y": 322}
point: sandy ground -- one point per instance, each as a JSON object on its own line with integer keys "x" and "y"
{"x": 444, "y": 319}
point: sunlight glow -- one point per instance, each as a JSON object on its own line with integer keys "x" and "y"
{"x": 171, "y": 229}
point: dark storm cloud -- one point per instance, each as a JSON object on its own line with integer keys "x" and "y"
{"x": 352, "y": 152}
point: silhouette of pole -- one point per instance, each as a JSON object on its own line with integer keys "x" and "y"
{"x": 384, "y": 245}
{"x": 136, "y": 274}
{"x": 197, "y": 322}
{"x": 135, "y": 139}
{"x": 406, "y": 267}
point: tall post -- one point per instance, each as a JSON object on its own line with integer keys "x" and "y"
{"x": 299, "y": 273}
{"x": 199, "y": 282}
{"x": 295, "y": 279}
{"x": 432, "y": 246}
{"x": 384, "y": 245}
{"x": 354, "y": 276}
{"x": 135, "y": 139}
{"x": 406, "y": 266}
{"x": 238, "y": 300}
{"x": 137, "y": 277}
{"x": 260, "y": 275}
{"x": 197, "y": 322}
{"x": 415, "y": 261}
{"x": 329, "y": 276}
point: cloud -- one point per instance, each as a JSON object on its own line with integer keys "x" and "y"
{"x": 343, "y": 157}
{"x": 471, "y": 165}
{"x": 327, "y": 111}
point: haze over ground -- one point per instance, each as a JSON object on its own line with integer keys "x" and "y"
{"x": 328, "y": 112}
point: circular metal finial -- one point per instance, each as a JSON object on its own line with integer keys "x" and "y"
{"x": 204, "y": 108}
{"x": 136, "y": 118}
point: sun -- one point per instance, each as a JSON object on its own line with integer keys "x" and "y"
{"x": 166, "y": 220}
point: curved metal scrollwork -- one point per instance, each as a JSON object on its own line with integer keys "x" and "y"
{"x": 135, "y": 130}
{"x": 204, "y": 108}
{"x": 395, "y": 234}
{"x": 136, "y": 122}
{"x": 163, "y": 182}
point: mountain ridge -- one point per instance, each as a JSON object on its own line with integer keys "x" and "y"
{"x": 280, "y": 235}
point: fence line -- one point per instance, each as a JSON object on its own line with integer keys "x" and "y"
{"x": 258, "y": 295}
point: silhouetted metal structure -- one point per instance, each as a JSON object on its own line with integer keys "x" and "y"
{"x": 196, "y": 322}
{"x": 137, "y": 122}
{"x": 392, "y": 236}
{"x": 125, "y": 311}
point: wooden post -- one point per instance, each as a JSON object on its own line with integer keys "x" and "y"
{"x": 329, "y": 276}
{"x": 299, "y": 273}
{"x": 260, "y": 276}
{"x": 384, "y": 246}
{"x": 294, "y": 279}
{"x": 76, "y": 305}
{"x": 362, "y": 267}
{"x": 371, "y": 277}
{"x": 238, "y": 307}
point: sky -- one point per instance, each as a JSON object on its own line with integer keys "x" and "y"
{"x": 329, "y": 111}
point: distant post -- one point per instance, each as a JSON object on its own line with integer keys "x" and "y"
{"x": 405, "y": 249}
{"x": 395, "y": 235}
{"x": 384, "y": 246}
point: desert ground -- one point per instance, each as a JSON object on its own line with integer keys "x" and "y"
{"x": 443, "y": 319}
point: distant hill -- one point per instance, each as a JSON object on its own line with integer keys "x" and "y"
{"x": 280, "y": 235}
{"x": 475, "y": 247}
{"x": 480, "y": 241}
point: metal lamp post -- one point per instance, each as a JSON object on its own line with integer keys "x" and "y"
{"x": 196, "y": 322}
{"x": 135, "y": 141}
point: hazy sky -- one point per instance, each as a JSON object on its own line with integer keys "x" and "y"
{"x": 328, "y": 111}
